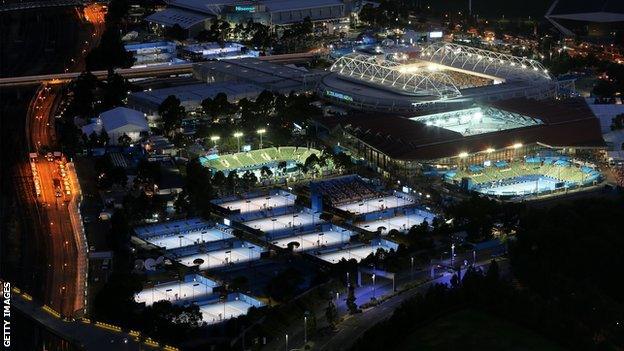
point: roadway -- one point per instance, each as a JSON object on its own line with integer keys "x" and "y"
{"x": 138, "y": 72}
{"x": 58, "y": 192}
{"x": 84, "y": 334}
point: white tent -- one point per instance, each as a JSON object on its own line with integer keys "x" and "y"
{"x": 117, "y": 122}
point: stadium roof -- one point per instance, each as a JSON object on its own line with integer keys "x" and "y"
{"x": 172, "y": 16}
{"x": 597, "y": 11}
{"x": 565, "y": 124}
{"x": 210, "y": 7}
{"x": 569, "y": 7}
{"x": 289, "y": 5}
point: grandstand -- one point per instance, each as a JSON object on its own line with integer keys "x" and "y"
{"x": 531, "y": 176}
{"x": 346, "y": 190}
{"x": 254, "y": 160}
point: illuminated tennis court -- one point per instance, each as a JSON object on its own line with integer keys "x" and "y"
{"x": 176, "y": 291}
{"x": 357, "y": 253}
{"x": 220, "y": 311}
{"x": 289, "y": 221}
{"x": 224, "y": 257}
{"x": 313, "y": 240}
{"x": 402, "y": 223}
{"x": 260, "y": 203}
{"x": 191, "y": 238}
{"x": 377, "y": 204}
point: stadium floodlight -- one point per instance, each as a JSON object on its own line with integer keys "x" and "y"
{"x": 260, "y": 132}
{"x": 463, "y": 154}
{"x": 237, "y": 135}
{"x": 489, "y": 150}
{"x": 517, "y": 145}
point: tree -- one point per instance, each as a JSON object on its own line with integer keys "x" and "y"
{"x": 232, "y": 180}
{"x": 351, "y": 299}
{"x": 342, "y": 160}
{"x": 617, "y": 122}
{"x": 115, "y": 91}
{"x": 172, "y": 112}
{"x": 331, "y": 314}
{"x": 110, "y": 53}
{"x": 104, "y": 139}
{"x": 265, "y": 172}
{"x": 83, "y": 95}
{"x": 124, "y": 140}
{"x": 176, "y": 32}
{"x": 199, "y": 187}
{"x": 311, "y": 161}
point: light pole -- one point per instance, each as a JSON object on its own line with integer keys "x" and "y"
{"x": 305, "y": 330}
{"x": 260, "y": 132}
{"x": 214, "y": 139}
{"x": 286, "y": 342}
{"x": 373, "y": 285}
{"x": 412, "y": 267}
{"x": 452, "y": 253}
{"x": 237, "y": 135}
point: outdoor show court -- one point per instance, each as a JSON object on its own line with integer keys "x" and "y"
{"x": 221, "y": 258}
{"x": 271, "y": 224}
{"x": 174, "y": 291}
{"x": 543, "y": 184}
{"x": 357, "y": 253}
{"x": 402, "y": 223}
{"x": 376, "y": 204}
{"x": 188, "y": 239}
{"x": 214, "y": 312}
{"x": 260, "y": 203}
{"x": 313, "y": 240}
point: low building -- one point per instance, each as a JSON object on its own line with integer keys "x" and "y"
{"x": 191, "y": 22}
{"x": 270, "y": 76}
{"x": 191, "y": 95}
{"x": 118, "y": 122}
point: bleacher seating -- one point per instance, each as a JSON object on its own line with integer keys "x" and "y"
{"x": 346, "y": 190}
{"x": 560, "y": 169}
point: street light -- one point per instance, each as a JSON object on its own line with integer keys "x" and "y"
{"x": 452, "y": 253}
{"x": 260, "y": 132}
{"x": 214, "y": 139}
{"x": 286, "y": 342}
{"x": 373, "y": 285}
{"x": 237, "y": 135}
{"x": 305, "y": 330}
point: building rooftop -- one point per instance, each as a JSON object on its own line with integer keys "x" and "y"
{"x": 568, "y": 123}
{"x": 290, "y": 5}
{"x": 194, "y": 94}
{"x": 172, "y": 16}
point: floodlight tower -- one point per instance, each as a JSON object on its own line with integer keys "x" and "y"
{"x": 260, "y": 132}
{"x": 237, "y": 135}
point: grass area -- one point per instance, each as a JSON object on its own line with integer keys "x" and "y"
{"x": 470, "y": 329}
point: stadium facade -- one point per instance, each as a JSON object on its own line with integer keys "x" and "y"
{"x": 504, "y": 130}
{"x": 443, "y": 76}
{"x": 195, "y": 15}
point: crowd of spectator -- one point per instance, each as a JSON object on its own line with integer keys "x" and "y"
{"x": 463, "y": 80}
{"x": 347, "y": 190}
{"x": 619, "y": 175}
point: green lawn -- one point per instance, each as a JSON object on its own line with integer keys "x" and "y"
{"x": 475, "y": 330}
